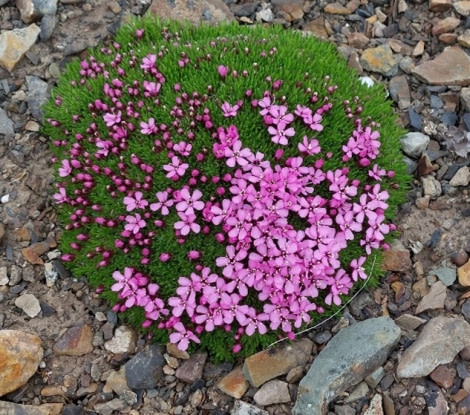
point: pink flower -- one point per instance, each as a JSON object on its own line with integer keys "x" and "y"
{"x": 223, "y": 71}
{"x": 230, "y": 260}
{"x": 148, "y": 128}
{"x": 280, "y": 135}
{"x": 237, "y": 155}
{"x": 187, "y": 224}
{"x": 61, "y": 197}
{"x": 190, "y": 202}
{"x": 66, "y": 168}
{"x": 134, "y": 223}
{"x": 229, "y": 110}
{"x": 163, "y": 204}
{"x": 112, "y": 119}
{"x": 136, "y": 202}
{"x": 148, "y": 62}
{"x": 309, "y": 147}
{"x": 176, "y": 169}
{"x": 181, "y": 336}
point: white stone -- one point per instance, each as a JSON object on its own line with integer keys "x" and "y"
{"x": 375, "y": 406}
{"x": 4, "y": 280}
{"x": 123, "y": 341}
{"x": 243, "y": 408}
{"x": 431, "y": 187}
{"x": 461, "y": 178}
{"x": 5, "y": 198}
{"x": 29, "y": 304}
{"x": 272, "y": 392}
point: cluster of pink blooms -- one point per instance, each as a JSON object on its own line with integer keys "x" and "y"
{"x": 290, "y": 271}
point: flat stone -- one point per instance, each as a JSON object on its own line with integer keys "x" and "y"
{"x": 445, "y": 25}
{"x": 419, "y": 49}
{"x": 272, "y": 392}
{"x": 276, "y": 361}
{"x": 6, "y": 124}
{"x": 461, "y": 178}
{"x": 435, "y": 299}
{"x": 317, "y": 27}
{"x": 354, "y": 353}
{"x": 234, "y": 383}
{"x": 38, "y": 95}
{"x": 445, "y": 274}
{"x": 173, "y": 350}
{"x": 336, "y": 8}
{"x": 397, "y": 260}
{"x": 116, "y": 382}
{"x": 413, "y": 144}
{"x": 463, "y": 274}
{"x": 243, "y": 408}
{"x": 110, "y": 407}
{"x": 462, "y": 7}
{"x": 33, "y": 10}
{"x": 400, "y": 91}
{"x": 441, "y": 339}
{"x": 451, "y": 67}
{"x": 375, "y": 406}
{"x": 4, "y": 280}
{"x": 380, "y": 59}
{"x": 29, "y": 304}
{"x": 191, "y": 370}
{"x": 145, "y": 369}
{"x": 437, "y": 403}
{"x": 359, "y": 392}
{"x": 33, "y": 253}
{"x": 443, "y": 376}
{"x": 10, "y": 408}
{"x": 123, "y": 341}
{"x": 15, "y": 43}
{"x": 409, "y": 322}
{"x": 464, "y": 39}
{"x": 20, "y": 355}
{"x": 358, "y": 40}
{"x": 375, "y": 377}
{"x": 440, "y": 5}
{"x": 196, "y": 12}
{"x": 76, "y": 341}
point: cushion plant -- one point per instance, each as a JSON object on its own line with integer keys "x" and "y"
{"x": 222, "y": 185}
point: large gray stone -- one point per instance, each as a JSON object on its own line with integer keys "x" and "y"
{"x": 6, "y": 125}
{"x": 413, "y": 144}
{"x": 145, "y": 369}
{"x": 354, "y": 353}
{"x": 439, "y": 342}
{"x": 38, "y": 94}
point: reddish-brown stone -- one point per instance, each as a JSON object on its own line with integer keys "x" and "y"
{"x": 234, "y": 384}
{"x": 397, "y": 260}
{"x": 443, "y": 376}
{"x": 77, "y": 341}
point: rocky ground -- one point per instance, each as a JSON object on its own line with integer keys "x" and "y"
{"x": 78, "y": 358}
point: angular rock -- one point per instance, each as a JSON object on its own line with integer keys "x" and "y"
{"x": 440, "y": 5}
{"x": 34, "y": 10}
{"x": 76, "y": 341}
{"x": 317, "y": 27}
{"x": 4, "y": 280}
{"x": 446, "y": 275}
{"x": 173, "y": 350}
{"x": 38, "y": 94}
{"x": 358, "y": 40}
{"x": 191, "y": 370}
{"x": 243, "y": 408}
{"x": 6, "y": 125}
{"x": 464, "y": 39}
{"x": 110, "y": 407}
{"x": 397, "y": 260}
{"x": 123, "y": 341}
{"x": 409, "y": 322}
{"x": 33, "y": 252}
{"x": 272, "y": 392}
{"x": 380, "y": 59}
{"x": 413, "y": 144}
{"x": 463, "y": 274}
{"x": 145, "y": 369}
{"x": 29, "y": 304}
{"x": 461, "y": 178}
{"x": 451, "y": 67}
{"x": 440, "y": 341}
{"x": 375, "y": 406}
{"x": 15, "y": 43}
{"x": 336, "y": 8}
{"x": 234, "y": 383}
{"x": 431, "y": 187}
{"x": 116, "y": 382}
{"x": 462, "y": 7}
{"x": 435, "y": 299}
{"x": 274, "y": 362}
{"x": 400, "y": 91}
{"x": 443, "y": 376}
{"x": 445, "y": 25}
{"x": 10, "y": 408}
{"x": 436, "y": 402}
{"x": 354, "y": 353}
{"x": 20, "y": 355}
{"x": 196, "y": 12}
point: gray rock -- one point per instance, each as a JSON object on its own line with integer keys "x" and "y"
{"x": 29, "y": 304}
{"x": 375, "y": 377}
{"x": 413, "y": 144}
{"x": 34, "y": 10}
{"x": 440, "y": 341}
{"x": 145, "y": 369}
{"x": 6, "y": 125}
{"x": 375, "y": 406}
{"x": 461, "y": 178}
{"x": 110, "y": 407}
{"x": 191, "y": 370}
{"x": 38, "y": 94}
{"x": 48, "y": 24}
{"x": 4, "y": 280}
{"x": 363, "y": 346}
{"x": 466, "y": 309}
{"x": 272, "y": 392}
{"x": 243, "y": 408}
{"x": 10, "y": 408}
{"x": 446, "y": 275}
{"x": 465, "y": 98}
{"x": 3, "y": 2}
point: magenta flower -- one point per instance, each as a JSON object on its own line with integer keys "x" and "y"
{"x": 187, "y": 224}
{"x": 223, "y": 71}
{"x": 309, "y": 147}
{"x": 149, "y": 127}
{"x": 65, "y": 169}
{"x": 61, "y": 197}
{"x": 136, "y": 202}
{"x": 176, "y": 169}
{"x": 149, "y": 62}
{"x": 190, "y": 202}
{"x": 182, "y": 337}
{"x": 237, "y": 155}
{"x": 163, "y": 204}
{"x": 134, "y": 223}
{"x": 112, "y": 119}
{"x": 229, "y": 110}
{"x": 280, "y": 135}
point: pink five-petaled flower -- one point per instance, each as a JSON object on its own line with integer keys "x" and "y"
{"x": 176, "y": 169}
{"x": 340, "y": 284}
{"x": 237, "y": 155}
{"x": 163, "y": 203}
{"x": 122, "y": 280}
{"x": 181, "y": 336}
{"x": 148, "y": 62}
{"x": 228, "y": 262}
{"x": 134, "y": 223}
{"x": 190, "y": 202}
{"x": 149, "y": 127}
{"x": 229, "y": 110}
{"x": 135, "y": 202}
{"x": 309, "y": 147}
{"x": 223, "y": 71}
{"x": 61, "y": 197}
{"x": 357, "y": 268}
{"x": 112, "y": 119}
{"x": 183, "y": 148}
{"x": 66, "y": 168}
{"x": 187, "y": 224}
{"x": 280, "y": 135}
